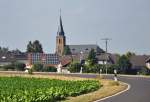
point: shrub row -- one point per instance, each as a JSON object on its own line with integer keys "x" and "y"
{"x": 18, "y": 89}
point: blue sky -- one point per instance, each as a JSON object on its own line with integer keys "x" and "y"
{"x": 126, "y": 22}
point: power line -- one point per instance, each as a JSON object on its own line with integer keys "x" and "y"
{"x": 106, "y": 42}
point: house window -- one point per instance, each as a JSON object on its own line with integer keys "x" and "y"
{"x": 73, "y": 49}
{"x": 86, "y": 49}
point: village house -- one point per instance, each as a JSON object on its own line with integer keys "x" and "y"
{"x": 9, "y": 58}
{"x": 148, "y": 63}
{"x": 42, "y": 58}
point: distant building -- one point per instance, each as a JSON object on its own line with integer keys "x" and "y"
{"x": 74, "y": 49}
{"x": 148, "y": 63}
{"x": 21, "y": 58}
{"x": 6, "y": 59}
{"x": 138, "y": 61}
{"x": 60, "y": 39}
{"x": 77, "y": 49}
{"x": 104, "y": 58}
{"x": 42, "y": 58}
{"x": 9, "y": 58}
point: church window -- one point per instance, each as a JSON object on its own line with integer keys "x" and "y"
{"x": 59, "y": 41}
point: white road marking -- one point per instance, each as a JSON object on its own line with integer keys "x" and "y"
{"x": 128, "y": 88}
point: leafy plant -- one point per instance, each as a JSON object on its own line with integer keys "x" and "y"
{"x": 18, "y": 89}
{"x": 30, "y": 71}
{"x": 38, "y": 67}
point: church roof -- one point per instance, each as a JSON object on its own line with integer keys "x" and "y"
{"x": 76, "y": 49}
{"x": 60, "y": 28}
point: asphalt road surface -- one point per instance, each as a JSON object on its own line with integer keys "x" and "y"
{"x": 139, "y": 91}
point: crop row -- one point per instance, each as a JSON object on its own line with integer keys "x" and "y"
{"x": 19, "y": 89}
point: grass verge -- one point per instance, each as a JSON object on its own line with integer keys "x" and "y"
{"x": 109, "y": 88}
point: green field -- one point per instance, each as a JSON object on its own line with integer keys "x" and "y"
{"x": 19, "y": 89}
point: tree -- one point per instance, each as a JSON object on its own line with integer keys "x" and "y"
{"x": 34, "y": 47}
{"x": 30, "y": 47}
{"x": 37, "y": 46}
{"x": 67, "y": 50}
{"x": 129, "y": 54}
{"x": 92, "y": 57}
{"x": 4, "y": 49}
{"x": 92, "y": 69}
{"x": 74, "y": 67}
{"x": 144, "y": 71}
{"x": 124, "y": 64}
{"x": 38, "y": 67}
{"x": 111, "y": 68}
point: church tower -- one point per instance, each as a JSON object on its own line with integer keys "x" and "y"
{"x": 60, "y": 39}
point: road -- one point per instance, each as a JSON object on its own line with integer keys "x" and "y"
{"x": 139, "y": 91}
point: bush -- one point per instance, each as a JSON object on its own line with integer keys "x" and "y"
{"x": 19, "y": 66}
{"x": 14, "y": 66}
{"x": 30, "y": 71}
{"x": 74, "y": 67}
{"x": 9, "y": 67}
{"x": 96, "y": 68}
{"x": 92, "y": 68}
{"x": 111, "y": 68}
{"x": 49, "y": 69}
{"x": 38, "y": 67}
{"x": 144, "y": 71}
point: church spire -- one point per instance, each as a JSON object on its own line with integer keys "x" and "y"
{"x": 60, "y": 27}
{"x": 60, "y": 38}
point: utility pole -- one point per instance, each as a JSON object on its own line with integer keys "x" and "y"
{"x": 106, "y": 52}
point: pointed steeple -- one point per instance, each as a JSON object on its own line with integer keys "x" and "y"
{"x": 60, "y": 38}
{"x": 60, "y": 27}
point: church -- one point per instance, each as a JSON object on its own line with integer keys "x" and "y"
{"x": 74, "y": 49}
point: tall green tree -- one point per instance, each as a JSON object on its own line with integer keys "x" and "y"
{"x": 35, "y": 47}
{"x": 67, "y": 50}
{"x": 129, "y": 54}
{"x": 92, "y": 57}
{"x": 124, "y": 64}
{"x": 30, "y": 47}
